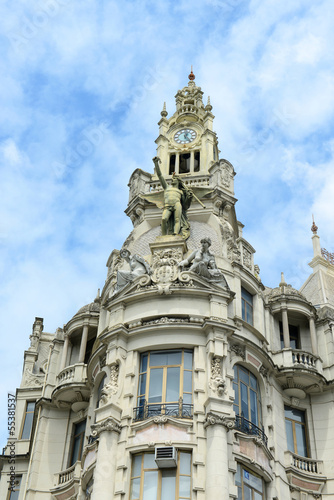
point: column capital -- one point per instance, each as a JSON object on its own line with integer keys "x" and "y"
{"x": 109, "y": 424}
{"x": 215, "y": 419}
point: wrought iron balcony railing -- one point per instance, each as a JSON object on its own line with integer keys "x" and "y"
{"x": 244, "y": 425}
{"x": 177, "y": 410}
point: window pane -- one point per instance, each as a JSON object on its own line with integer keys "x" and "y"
{"x": 142, "y": 383}
{"x": 289, "y": 435}
{"x": 257, "y": 496}
{"x": 188, "y": 360}
{"x": 294, "y": 414}
{"x": 174, "y": 358}
{"x": 238, "y": 476}
{"x": 244, "y": 375}
{"x": 187, "y": 381}
{"x": 155, "y": 393}
{"x": 168, "y": 482}
{"x": 253, "y": 404}
{"x": 136, "y": 465}
{"x": 252, "y": 480}
{"x": 150, "y": 485}
{"x": 149, "y": 462}
{"x": 80, "y": 427}
{"x": 185, "y": 462}
{"x": 143, "y": 366}
{"x": 76, "y": 449}
{"x": 253, "y": 381}
{"x": 31, "y": 406}
{"x": 236, "y": 393}
{"x": 173, "y": 384}
{"x": 301, "y": 440}
{"x": 158, "y": 358}
{"x": 247, "y": 493}
{"x": 135, "y": 488}
{"x": 184, "y": 486}
{"x": 244, "y": 401}
{"x": 27, "y": 426}
{"x": 187, "y": 398}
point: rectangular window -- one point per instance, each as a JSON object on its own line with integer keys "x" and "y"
{"x": 247, "y": 306}
{"x": 293, "y": 334}
{"x": 296, "y": 431}
{"x": 165, "y": 384}
{"x": 250, "y": 486}
{"x": 172, "y": 159}
{"x": 148, "y": 482}
{"x": 197, "y": 161}
{"x": 28, "y": 420}
{"x": 77, "y": 441}
{"x": 14, "y": 493}
{"x": 184, "y": 166}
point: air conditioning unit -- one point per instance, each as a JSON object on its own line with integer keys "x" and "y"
{"x": 166, "y": 457}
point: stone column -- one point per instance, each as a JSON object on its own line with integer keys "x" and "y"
{"x": 314, "y": 342}
{"x": 285, "y": 321}
{"x": 105, "y": 469}
{"x": 177, "y": 163}
{"x": 83, "y": 344}
{"x": 65, "y": 351}
{"x": 217, "y": 481}
{"x": 192, "y": 161}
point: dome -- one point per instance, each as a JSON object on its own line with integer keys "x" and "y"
{"x": 93, "y": 307}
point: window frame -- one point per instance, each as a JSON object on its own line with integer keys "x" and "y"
{"x": 81, "y": 442}
{"x": 238, "y": 381}
{"x": 241, "y": 468}
{"x": 181, "y": 391}
{"x": 303, "y": 424}
{"x": 17, "y": 489}
{"x": 159, "y": 478}
{"x": 24, "y": 420}
{"x": 247, "y": 306}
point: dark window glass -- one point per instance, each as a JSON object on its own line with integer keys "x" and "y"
{"x": 77, "y": 441}
{"x": 197, "y": 161}
{"x": 247, "y": 306}
{"x": 28, "y": 420}
{"x": 184, "y": 166}
{"x": 89, "y": 349}
{"x": 247, "y": 397}
{"x": 293, "y": 334}
{"x": 172, "y": 160}
{"x": 296, "y": 431}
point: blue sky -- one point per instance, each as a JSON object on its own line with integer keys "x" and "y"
{"x": 82, "y": 85}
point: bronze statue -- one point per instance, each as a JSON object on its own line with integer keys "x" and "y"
{"x": 176, "y": 200}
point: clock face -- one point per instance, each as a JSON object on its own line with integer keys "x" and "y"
{"x": 185, "y": 135}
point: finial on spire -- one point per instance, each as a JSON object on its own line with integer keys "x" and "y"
{"x": 191, "y": 76}
{"x": 208, "y": 107}
{"x": 283, "y": 282}
{"x": 98, "y": 297}
{"x": 314, "y": 227}
{"x": 164, "y": 113}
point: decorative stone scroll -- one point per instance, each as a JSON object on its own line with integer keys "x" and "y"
{"x": 217, "y": 382}
{"x": 215, "y": 419}
{"x": 109, "y": 425}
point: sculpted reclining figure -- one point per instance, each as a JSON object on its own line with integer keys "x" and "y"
{"x": 138, "y": 266}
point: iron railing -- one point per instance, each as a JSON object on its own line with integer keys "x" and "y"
{"x": 177, "y": 410}
{"x": 244, "y": 425}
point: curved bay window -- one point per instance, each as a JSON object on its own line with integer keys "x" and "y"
{"x": 148, "y": 482}
{"x": 165, "y": 384}
{"x": 250, "y": 486}
{"x": 247, "y": 402}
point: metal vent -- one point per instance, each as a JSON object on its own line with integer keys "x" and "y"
{"x": 166, "y": 456}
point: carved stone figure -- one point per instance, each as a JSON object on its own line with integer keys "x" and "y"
{"x": 204, "y": 264}
{"x": 111, "y": 388}
{"x": 175, "y": 201}
{"x": 217, "y": 382}
{"x": 138, "y": 266}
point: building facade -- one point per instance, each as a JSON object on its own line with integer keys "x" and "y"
{"x": 186, "y": 378}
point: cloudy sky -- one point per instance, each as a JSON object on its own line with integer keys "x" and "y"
{"x": 82, "y": 85}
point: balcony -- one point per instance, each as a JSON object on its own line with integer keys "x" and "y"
{"x": 67, "y": 482}
{"x": 71, "y": 386}
{"x": 304, "y": 472}
{"x": 176, "y": 410}
{"x": 246, "y": 426}
{"x": 299, "y": 372}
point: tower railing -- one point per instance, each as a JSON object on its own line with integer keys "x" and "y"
{"x": 248, "y": 427}
{"x": 149, "y": 410}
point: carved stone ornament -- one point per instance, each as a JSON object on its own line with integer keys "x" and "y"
{"x": 226, "y": 175}
{"x": 246, "y": 258}
{"x": 214, "y": 419}
{"x": 160, "y": 419}
{"x": 232, "y": 251}
{"x": 138, "y": 267}
{"x": 264, "y": 371}
{"x": 109, "y": 425}
{"x": 31, "y": 379}
{"x": 217, "y": 382}
{"x": 239, "y": 350}
{"x": 111, "y": 388}
{"x": 165, "y": 269}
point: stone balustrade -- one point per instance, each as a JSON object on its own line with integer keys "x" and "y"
{"x": 72, "y": 472}
{"x": 303, "y": 464}
{"x": 72, "y": 374}
{"x": 304, "y": 358}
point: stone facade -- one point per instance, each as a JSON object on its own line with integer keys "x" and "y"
{"x": 182, "y": 381}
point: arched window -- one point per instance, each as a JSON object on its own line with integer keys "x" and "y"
{"x": 247, "y": 401}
